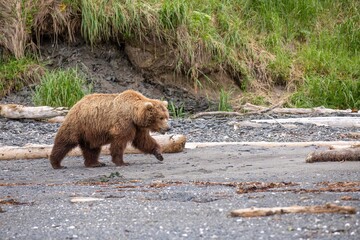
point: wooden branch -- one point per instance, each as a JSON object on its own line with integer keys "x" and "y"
{"x": 14, "y": 111}
{"x": 169, "y": 144}
{"x": 262, "y": 212}
{"x": 337, "y": 155}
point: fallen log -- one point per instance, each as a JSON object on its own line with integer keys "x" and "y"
{"x": 342, "y": 144}
{"x": 319, "y": 121}
{"x": 223, "y": 113}
{"x": 336, "y": 155}
{"x": 262, "y": 212}
{"x": 216, "y": 113}
{"x": 168, "y": 143}
{"x": 317, "y": 110}
{"x": 15, "y": 111}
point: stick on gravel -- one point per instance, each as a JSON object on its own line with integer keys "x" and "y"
{"x": 262, "y": 212}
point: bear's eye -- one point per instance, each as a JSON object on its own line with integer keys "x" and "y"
{"x": 161, "y": 118}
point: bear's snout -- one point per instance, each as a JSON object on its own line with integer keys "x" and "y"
{"x": 165, "y": 129}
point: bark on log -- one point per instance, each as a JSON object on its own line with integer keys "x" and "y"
{"x": 261, "y": 212}
{"x": 168, "y": 143}
{"x": 14, "y": 111}
{"x": 338, "y": 155}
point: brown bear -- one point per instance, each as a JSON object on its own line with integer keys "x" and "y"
{"x": 115, "y": 119}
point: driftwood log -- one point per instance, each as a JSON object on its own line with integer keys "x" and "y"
{"x": 255, "y": 109}
{"x": 320, "y": 121}
{"x": 336, "y": 155}
{"x": 317, "y": 110}
{"x": 169, "y": 144}
{"x": 14, "y": 111}
{"x": 336, "y": 144}
{"x": 262, "y": 212}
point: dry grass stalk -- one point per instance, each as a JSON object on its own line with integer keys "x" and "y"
{"x": 13, "y": 34}
{"x": 18, "y": 20}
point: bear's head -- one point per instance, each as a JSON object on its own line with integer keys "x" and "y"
{"x": 152, "y": 114}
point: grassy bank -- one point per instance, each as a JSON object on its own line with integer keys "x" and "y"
{"x": 298, "y": 45}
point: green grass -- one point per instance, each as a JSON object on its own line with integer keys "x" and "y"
{"x": 259, "y": 43}
{"x": 61, "y": 88}
{"x": 17, "y": 73}
{"x": 176, "y": 111}
{"x": 277, "y": 42}
{"x": 224, "y": 104}
{"x": 330, "y": 93}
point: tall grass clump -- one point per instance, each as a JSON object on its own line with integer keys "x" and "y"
{"x": 224, "y": 101}
{"x": 61, "y": 88}
{"x": 176, "y": 111}
{"x": 17, "y": 73}
{"x": 327, "y": 92}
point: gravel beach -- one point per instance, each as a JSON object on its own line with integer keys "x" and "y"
{"x": 188, "y": 196}
{"x": 209, "y": 129}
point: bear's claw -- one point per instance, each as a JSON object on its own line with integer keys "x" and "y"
{"x": 159, "y": 156}
{"x": 98, "y": 164}
{"x": 59, "y": 167}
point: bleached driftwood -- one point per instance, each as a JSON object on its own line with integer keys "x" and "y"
{"x": 262, "y": 212}
{"x": 168, "y": 143}
{"x": 14, "y": 111}
{"x": 216, "y": 113}
{"x": 58, "y": 119}
{"x": 320, "y": 121}
{"x": 336, "y": 155}
{"x": 342, "y": 144}
{"x": 222, "y": 113}
{"x": 318, "y": 110}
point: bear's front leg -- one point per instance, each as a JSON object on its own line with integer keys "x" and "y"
{"x": 147, "y": 144}
{"x": 117, "y": 153}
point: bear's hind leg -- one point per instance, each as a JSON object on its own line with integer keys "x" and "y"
{"x": 91, "y": 156}
{"x": 58, "y": 152}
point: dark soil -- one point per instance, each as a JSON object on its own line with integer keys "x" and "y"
{"x": 109, "y": 70}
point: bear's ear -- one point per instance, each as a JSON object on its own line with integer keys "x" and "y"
{"x": 165, "y": 103}
{"x": 148, "y": 105}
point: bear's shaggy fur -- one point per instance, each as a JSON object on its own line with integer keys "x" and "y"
{"x": 100, "y": 119}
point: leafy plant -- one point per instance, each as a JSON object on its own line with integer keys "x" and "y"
{"x": 61, "y": 88}
{"x": 111, "y": 176}
{"x": 176, "y": 111}
{"x": 224, "y": 104}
